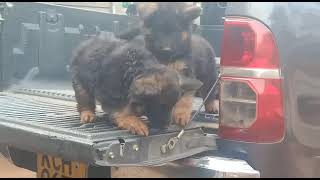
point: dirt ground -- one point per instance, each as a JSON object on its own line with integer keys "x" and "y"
{"x": 8, "y": 170}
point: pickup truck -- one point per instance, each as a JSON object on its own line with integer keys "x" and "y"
{"x": 267, "y": 125}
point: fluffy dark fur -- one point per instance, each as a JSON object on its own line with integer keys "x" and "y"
{"x": 167, "y": 29}
{"x": 127, "y": 80}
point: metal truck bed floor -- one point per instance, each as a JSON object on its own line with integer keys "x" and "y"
{"x": 47, "y": 125}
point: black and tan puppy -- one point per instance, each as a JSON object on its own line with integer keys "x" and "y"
{"x": 167, "y": 29}
{"x": 128, "y": 81}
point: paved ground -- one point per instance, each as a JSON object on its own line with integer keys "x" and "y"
{"x": 8, "y": 170}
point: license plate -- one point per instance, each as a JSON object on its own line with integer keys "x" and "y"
{"x": 54, "y": 167}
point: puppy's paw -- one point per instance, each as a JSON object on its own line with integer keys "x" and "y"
{"x": 212, "y": 106}
{"x": 181, "y": 116}
{"x": 182, "y": 111}
{"x": 87, "y": 116}
{"x": 133, "y": 124}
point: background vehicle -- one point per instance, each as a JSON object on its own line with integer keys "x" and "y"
{"x": 268, "y": 120}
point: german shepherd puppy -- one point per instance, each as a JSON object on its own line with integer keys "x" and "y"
{"x": 128, "y": 81}
{"x": 167, "y": 29}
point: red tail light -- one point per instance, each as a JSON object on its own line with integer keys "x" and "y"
{"x": 248, "y": 43}
{"x": 251, "y": 94}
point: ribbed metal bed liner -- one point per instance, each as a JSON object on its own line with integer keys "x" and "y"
{"x": 44, "y": 121}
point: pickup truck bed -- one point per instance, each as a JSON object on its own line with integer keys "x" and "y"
{"x": 46, "y": 121}
{"x": 38, "y": 115}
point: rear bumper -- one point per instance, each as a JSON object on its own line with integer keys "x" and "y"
{"x": 223, "y": 167}
{"x": 193, "y": 167}
{"x": 197, "y": 167}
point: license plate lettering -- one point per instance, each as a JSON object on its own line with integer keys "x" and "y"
{"x": 53, "y": 167}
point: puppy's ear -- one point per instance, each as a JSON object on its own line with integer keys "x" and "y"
{"x": 189, "y": 84}
{"x": 145, "y": 85}
{"x": 191, "y": 12}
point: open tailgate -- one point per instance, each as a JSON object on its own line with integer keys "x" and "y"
{"x": 52, "y": 126}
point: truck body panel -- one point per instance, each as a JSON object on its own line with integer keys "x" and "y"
{"x": 295, "y": 28}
